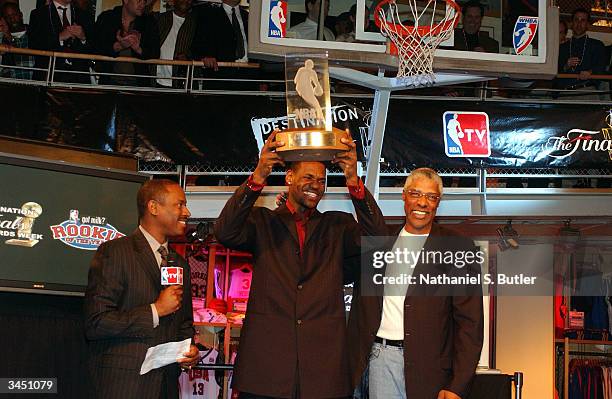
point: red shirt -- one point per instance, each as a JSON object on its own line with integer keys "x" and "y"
{"x": 300, "y": 223}
{"x": 356, "y": 192}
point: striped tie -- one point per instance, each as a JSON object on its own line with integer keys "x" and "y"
{"x": 164, "y": 256}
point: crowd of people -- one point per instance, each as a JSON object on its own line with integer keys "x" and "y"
{"x": 215, "y": 32}
{"x": 218, "y": 32}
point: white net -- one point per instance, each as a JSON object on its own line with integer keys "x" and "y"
{"x": 415, "y": 30}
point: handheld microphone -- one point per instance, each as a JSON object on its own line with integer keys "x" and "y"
{"x": 171, "y": 274}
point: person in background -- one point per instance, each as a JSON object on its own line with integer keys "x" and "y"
{"x": 308, "y": 28}
{"x": 344, "y": 28}
{"x": 581, "y": 55}
{"x": 562, "y": 32}
{"x": 470, "y": 37}
{"x": 18, "y": 38}
{"x": 5, "y": 35}
{"x": 60, "y": 26}
{"x": 349, "y": 35}
{"x": 176, "y": 31}
{"x": 222, "y": 33}
{"x": 126, "y": 31}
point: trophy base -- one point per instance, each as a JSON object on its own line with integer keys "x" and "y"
{"x": 21, "y": 243}
{"x": 310, "y": 144}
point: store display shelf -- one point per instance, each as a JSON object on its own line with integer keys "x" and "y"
{"x": 209, "y": 324}
{"x": 583, "y": 341}
{"x": 238, "y": 254}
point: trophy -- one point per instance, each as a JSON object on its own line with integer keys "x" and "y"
{"x": 311, "y": 136}
{"x": 30, "y": 211}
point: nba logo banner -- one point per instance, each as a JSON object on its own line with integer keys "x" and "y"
{"x": 524, "y": 32}
{"x": 171, "y": 275}
{"x": 277, "y": 21}
{"x": 466, "y": 134}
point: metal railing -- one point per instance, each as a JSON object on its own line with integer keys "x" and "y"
{"x": 192, "y": 80}
{"x": 193, "y": 77}
{"x": 186, "y": 77}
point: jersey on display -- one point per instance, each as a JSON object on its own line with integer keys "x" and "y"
{"x": 200, "y": 384}
{"x": 240, "y": 282}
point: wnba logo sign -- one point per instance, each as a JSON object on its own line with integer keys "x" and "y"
{"x": 524, "y": 32}
{"x": 277, "y": 25}
{"x": 466, "y": 134}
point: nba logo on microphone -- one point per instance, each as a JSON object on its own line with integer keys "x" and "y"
{"x": 466, "y": 134}
{"x": 277, "y": 21}
{"x": 525, "y": 29}
{"x": 171, "y": 275}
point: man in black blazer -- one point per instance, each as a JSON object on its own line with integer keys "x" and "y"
{"x": 422, "y": 342}
{"x": 127, "y": 31}
{"x": 222, "y": 33}
{"x": 293, "y": 343}
{"x": 126, "y": 309}
{"x": 60, "y": 26}
{"x": 470, "y": 37}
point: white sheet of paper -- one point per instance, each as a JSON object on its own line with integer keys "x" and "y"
{"x": 164, "y": 354}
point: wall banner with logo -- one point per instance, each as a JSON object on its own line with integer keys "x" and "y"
{"x": 494, "y": 134}
{"x": 229, "y": 130}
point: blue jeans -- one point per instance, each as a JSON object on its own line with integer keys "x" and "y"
{"x": 386, "y": 372}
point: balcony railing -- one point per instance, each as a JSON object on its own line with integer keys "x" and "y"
{"x": 252, "y": 78}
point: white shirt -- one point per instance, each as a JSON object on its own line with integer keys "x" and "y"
{"x": 308, "y": 30}
{"x": 392, "y": 320}
{"x": 154, "y": 244}
{"x": 60, "y": 13}
{"x": 18, "y": 35}
{"x": 228, "y": 11}
{"x": 166, "y": 52}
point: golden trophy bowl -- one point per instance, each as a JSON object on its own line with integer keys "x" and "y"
{"x": 310, "y": 144}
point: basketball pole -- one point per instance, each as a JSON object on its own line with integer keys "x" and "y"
{"x": 383, "y": 87}
{"x": 376, "y": 133}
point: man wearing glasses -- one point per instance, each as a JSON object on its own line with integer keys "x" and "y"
{"x": 417, "y": 342}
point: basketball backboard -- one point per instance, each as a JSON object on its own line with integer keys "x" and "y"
{"x": 279, "y": 27}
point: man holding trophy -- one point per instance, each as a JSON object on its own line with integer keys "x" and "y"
{"x": 293, "y": 343}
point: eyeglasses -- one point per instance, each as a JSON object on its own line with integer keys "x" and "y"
{"x": 417, "y": 195}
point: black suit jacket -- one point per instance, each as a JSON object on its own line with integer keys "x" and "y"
{"x": 489, "y": 44}
{"x": 43, "y": 34}
{"x": 442, "y": 335}
{"x": 215, "y": 34}
{"x": 124, "y": 279}
{"x": 107, "y": 25}
{"x": 295, "y": 324}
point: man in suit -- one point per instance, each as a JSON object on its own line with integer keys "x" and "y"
{"x": 470, "y": 37}
{"x": 581, "y": 55}
{"x": 222, "y": 33}
{"x": 309, "y": 28}
{"x": 126, "y": 31}
{"x": 126, "y": 309}
{"x": 176, "y": 32}
{"x": 59, "y": 26}
{"x": 418, "y": 341}
{"x": 293, "y": 343}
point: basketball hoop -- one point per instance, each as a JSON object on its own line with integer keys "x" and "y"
{"x": 416, "y": 44}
